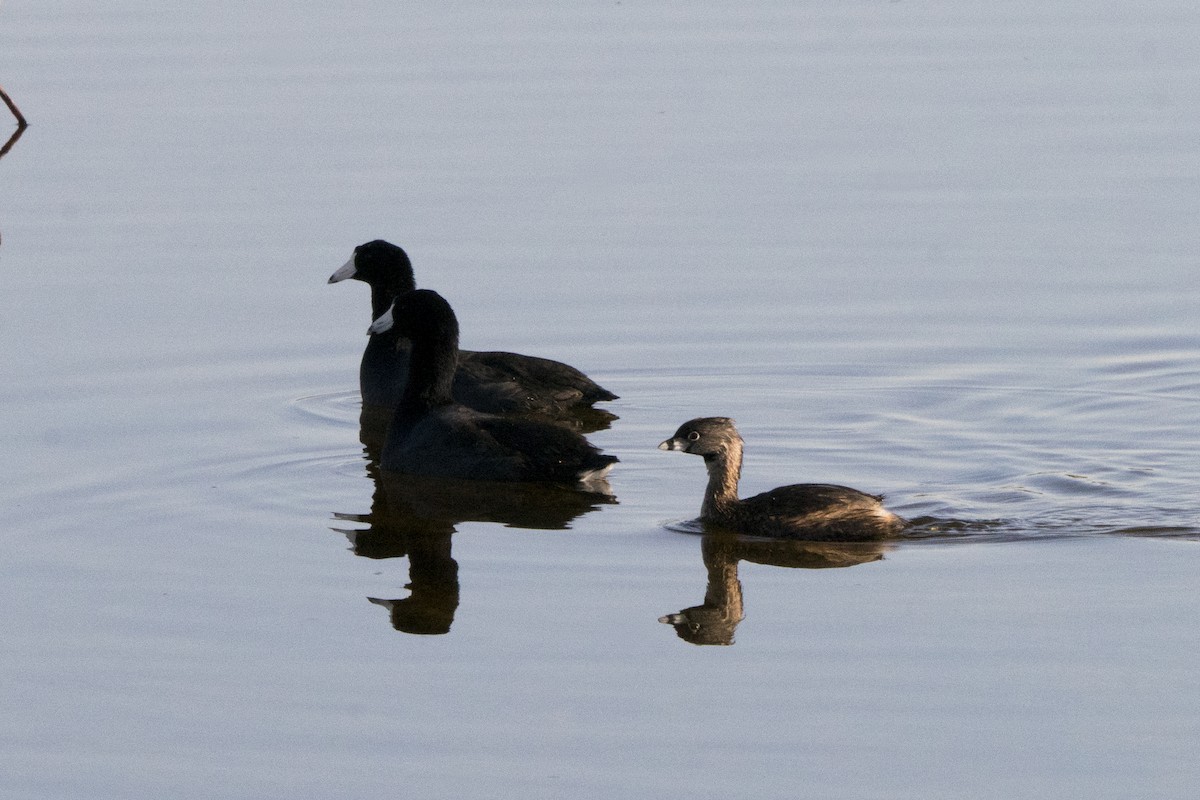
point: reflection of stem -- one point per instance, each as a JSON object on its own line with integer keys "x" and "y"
{"x": 21, "y": 123}
{"x": 11, "y": 141}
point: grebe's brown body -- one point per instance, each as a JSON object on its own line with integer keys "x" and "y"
{"x": 810, "y": 511}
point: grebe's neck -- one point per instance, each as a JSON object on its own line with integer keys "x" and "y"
{"x": 724, "y": 470}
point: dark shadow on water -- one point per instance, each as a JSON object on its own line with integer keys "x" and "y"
{"x": 940, "y": 529}
{"x": 918, "y": 529}
{"x": 935, "y": 530}
{"x": 416, "y": 517}
{"x": 1159, "y": 532}
{"x": 714, "y": 621}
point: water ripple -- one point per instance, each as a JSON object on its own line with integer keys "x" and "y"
{"x": 341, "y": 408}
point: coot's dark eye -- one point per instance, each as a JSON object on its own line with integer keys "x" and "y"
{"x": 693, "y": 436}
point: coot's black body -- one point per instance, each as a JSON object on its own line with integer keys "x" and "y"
{"x": 495, "y": 382}
{"x": 432, "y": 434}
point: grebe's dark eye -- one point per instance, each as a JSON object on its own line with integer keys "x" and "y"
{"x": 693, "y": 436}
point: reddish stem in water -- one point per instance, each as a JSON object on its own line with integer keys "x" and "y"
{"x": 21, "y": 123}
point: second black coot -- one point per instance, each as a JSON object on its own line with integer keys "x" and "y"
{"x": 432, "y": 434}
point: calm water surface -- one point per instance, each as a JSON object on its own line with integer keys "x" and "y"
{"x": 943, "y": 253}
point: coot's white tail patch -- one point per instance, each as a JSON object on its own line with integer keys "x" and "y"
{"x": 594, "y": 475}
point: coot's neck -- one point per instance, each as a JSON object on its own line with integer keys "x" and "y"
{"x": 431, "y": 365}
{"x": 381, "y": 300}
{"x": 382, "y": 297}
{"x": 724, "y": 470}
{"x": 384, "y": 292}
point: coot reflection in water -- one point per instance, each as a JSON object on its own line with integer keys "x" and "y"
{"x": 714, "y": 621}
{"x": 415, "y": 517}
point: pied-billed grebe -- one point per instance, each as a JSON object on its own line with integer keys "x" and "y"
{"x": 812, "y": 511}
{"x": 495, "y": 382}
{"x": 431, "y": 434}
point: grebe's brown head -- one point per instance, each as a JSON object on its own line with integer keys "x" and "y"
{"x": 704, "y": 436}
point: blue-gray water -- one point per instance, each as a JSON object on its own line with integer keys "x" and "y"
{"x": 943, "y": 252}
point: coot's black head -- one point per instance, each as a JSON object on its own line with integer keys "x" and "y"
{"x": 378, "y": 263}
{"x": 420, "y": 314}
{"x": 703, "y": 436}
